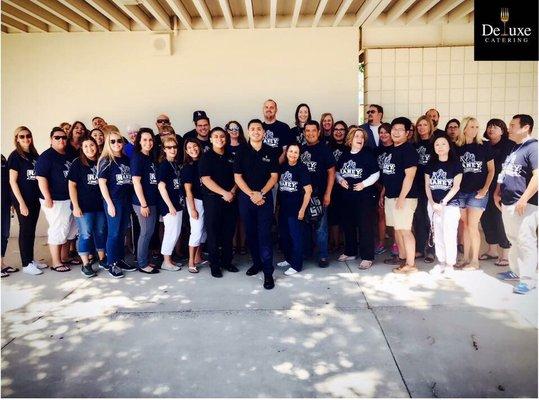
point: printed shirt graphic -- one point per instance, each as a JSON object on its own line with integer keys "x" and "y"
{"x": 169, "y": 173}
{"x": 270, "y": 139}
{"x": 88, "y": 192}
{"x": 286, "y": 184}
{"x": 349, "y": 170}
{"x": 394, "y": 166}
{"x": 474, "y": 158}
{"x": 517, "y": 171}
{"x": 142, "y": 166}
{"x": 469, "y": 164}
{"x": 276, "y": 134}
{"x": 26, "y": 175}
{"x": 291, "y": 183}
{"x": 442, "y": 177}
{"x": 355, "y": 168}
{"x": 318, "y": 159}
{"x": 55, "y": 167}
{"x": 118, "y": 176}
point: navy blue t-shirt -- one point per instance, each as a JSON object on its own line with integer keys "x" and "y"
{"x": 277, "y": 135}
{"x": 297, "y": 134}
{"x": 88, "y": 193}
{"x": 397, "y": 160}
{"x": 337, "y": 149}
{"x": 355, "y": 168}
{"x": 169, "y": 173}
{"x": 474, "y": 158}
{"x": 143, "y": 166}
{"x": 424, "y": 150}
{"x": 381, "y": 153}
{"x": 5, "y": 184}
{"x": 442, "y": 176}
{"x": 190, "y": 174}
{"x": 118, "y": 176}
{"x": 255, "y": 166}
{"x": 318, "y": 158}
{"x": 517, "y": 171}
{"x": 234, "y": 150}
{"x": 220, "y": 168}
{"x": 26, "y": 175}
{"x": 500, "y": 151}
{"x": 55, "y": 167}
{"x": 293, "y": 179}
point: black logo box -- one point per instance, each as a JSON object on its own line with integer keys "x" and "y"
{"x": 516, "y": 41}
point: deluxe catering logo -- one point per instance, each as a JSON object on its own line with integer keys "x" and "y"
{"x": 505, "y": 32}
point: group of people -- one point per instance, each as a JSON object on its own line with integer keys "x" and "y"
{"x": 413, "y": 184}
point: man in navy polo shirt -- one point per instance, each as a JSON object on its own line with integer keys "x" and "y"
{"x": 516, "y": 195}
{"x": 256, "y": 171}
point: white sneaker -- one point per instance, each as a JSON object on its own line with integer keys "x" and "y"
{"x": 437, "y": 269}
{"x": 40, "y": 265}
{"x": 283, "y": 264}
{"x": 290, "y": 271}
{"x": 32, "y": 269}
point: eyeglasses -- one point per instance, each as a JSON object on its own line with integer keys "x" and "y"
{"x": 371, "y": 112}
{"x": 163, "y": 121}
{"x": 59, "y": 137}
{"x": 27, "y": 136}
{"x": 114, "y": 141}
{"x": 171, "y": 147}
{"x": 339, "y": 129}
{"x": 234, "y": 129}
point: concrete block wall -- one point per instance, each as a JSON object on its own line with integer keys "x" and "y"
{"x": 408, "y": 81}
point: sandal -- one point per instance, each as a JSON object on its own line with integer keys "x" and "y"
{"x": 502, "y": 262}
{"x": 9, "y": 270}
{"x": 429, "y": 259}
{"x": 193, "y": 270}
{"x": 4, "y": 274}
{"x": 365, "y": 264}
{"x": 486, "y": 256}
{"x": 73, "y": 261}
{"x": 61, "y": 268}
{"x": 461, "y": 264}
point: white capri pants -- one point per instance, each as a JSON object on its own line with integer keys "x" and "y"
{"x": 198, "y": 232}
{"x": 445, "y": 226}
{"x": 62, "y": 225}
{"x": 173, "y": 227}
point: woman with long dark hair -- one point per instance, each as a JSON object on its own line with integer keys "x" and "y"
{"x": 301, "y": 116}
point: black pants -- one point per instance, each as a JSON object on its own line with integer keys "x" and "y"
{"x": 6, "y": 224}
{"x": 421, "y": 225}
{"x": 27, "y": 231}
{"x": 360, "y": 217}
{"x": 220, "y": 221}
{"x": 492, "y": 224}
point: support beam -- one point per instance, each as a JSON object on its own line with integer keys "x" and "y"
{"x": 249, "y": 13}
{"x": 273, "y": 13}
{"x": 319, "y": 11}
{"x": 227, "y": 14}
{"x": 365, "y": 10}
{"x": 108, "y": 9}
{"x": 12, "y": 23}
{"x": 441, "y": 9}
{"x": 87, "y": 11}
{"x": 398, "y": 9}
{"x": 345, "y": 5}
{"x": 204, "y": 13}
{"x": 419, "y": 9}
{"x": 182, "y": 13}
{"x": 37, "y": 12}
{"x": 461, "y": 11}
{"x": 137, "y": 15}
{"x": 377, "y": 11}
{"x": 67, "y": 14}
{"x": 295, "y": 15}
{"x": 5, "y": 29}
{"x": 158, "y": 12}
{"x": 23, "y": 17}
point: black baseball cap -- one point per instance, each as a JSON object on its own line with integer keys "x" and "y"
{"x": 199, "y": 115}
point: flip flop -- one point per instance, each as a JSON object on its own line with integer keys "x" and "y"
{"x": 502, "y": 262}
{"x": 61, "y": 268}
{"x": 9, "y": 270}
{"x": 486, "y": 256}
{"x": 73, "y": 261}
{"x": 193, "y": 270}
{"x": 4, "y": 274}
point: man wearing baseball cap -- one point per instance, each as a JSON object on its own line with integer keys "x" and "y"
{"x": 199, "y": 114}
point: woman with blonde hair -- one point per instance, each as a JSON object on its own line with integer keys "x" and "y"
{"x": 478, "y": 169}
{"x": 326, "y": 127}
{"x": 424, "y": 129}
{"x": 25, "y": 195}
{"x": 115, "y": 182}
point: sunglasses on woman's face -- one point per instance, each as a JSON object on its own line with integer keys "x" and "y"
{"x": 114, "y": 141}
{"x": 234, "y": 129}
{"x": 59, "y": 137}
{"x": 171, "y": 147}
{"x": 27, "y": 136}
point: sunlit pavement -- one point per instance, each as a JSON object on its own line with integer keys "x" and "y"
{"x": 335, "y": 332}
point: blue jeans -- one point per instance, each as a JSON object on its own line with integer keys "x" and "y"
{"x": 291, "y": 239}
{"x": 258, "y": 220}
{"x": 147, "y": 226}
{"x": 116, "y": 230}
{"x": 321, "y": 232}
{"x": 92, "y": 225}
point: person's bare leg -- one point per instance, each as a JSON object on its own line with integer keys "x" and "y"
{"x": 381, "y": 226}
{"x": 101, "y": 255}
{"x": 198, "y": 255}
{"x": 408, "y": 240}
{"x": 465, "y": 235}
{"x": 474, "y": 215}
{"x": 503, "y": 253}
{"x": 400, "y": 243}
{"x": 64, "y": 252}
{"x": 56, "y": 251}
{"x": 192, "y": 254}
{"x": 493, "y": 250}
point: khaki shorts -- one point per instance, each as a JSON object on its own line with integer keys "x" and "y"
{"x": 400, "y": 219}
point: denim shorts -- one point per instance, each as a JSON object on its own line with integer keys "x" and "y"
{"x": 467, "y": 200}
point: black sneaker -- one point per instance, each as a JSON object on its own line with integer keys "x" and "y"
{"x": 103, "y": 264}
{"x": 126, "y": 267}
{"x": 323, "y": 263}
{"x": 216, "y": 272}
{"x": 232, "y": 268}
{"x": 252, "y": 271}
{"x": 115, "y": 271}
{"x": 87, "y": 271}
{"x": 268, "y": 282}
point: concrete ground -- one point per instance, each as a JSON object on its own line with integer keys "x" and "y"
{"x": 336, "y": 332}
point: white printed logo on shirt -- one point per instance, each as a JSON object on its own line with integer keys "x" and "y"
{"x": 265, "y": 158}
{"x": 337, "y": 154}
{"x": 469, "y": 164}
{"x": 388, "y": 168}
{"x": 509, "y": 167}
{"x": 423, "y": 155}
{"x": 67, "y": 165}
{"x": 124, "y": 177}
{"x": 270, "y": 139}
{"x": 31, "y": 173}
{"x": 306, "y": 159}
{"x": 91, "y": 179}
{"x": 439, "y": 181}
{"x": 349, "y": 170}
{"x": 153, "y": 175}
{"x": 286, "y": 184}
